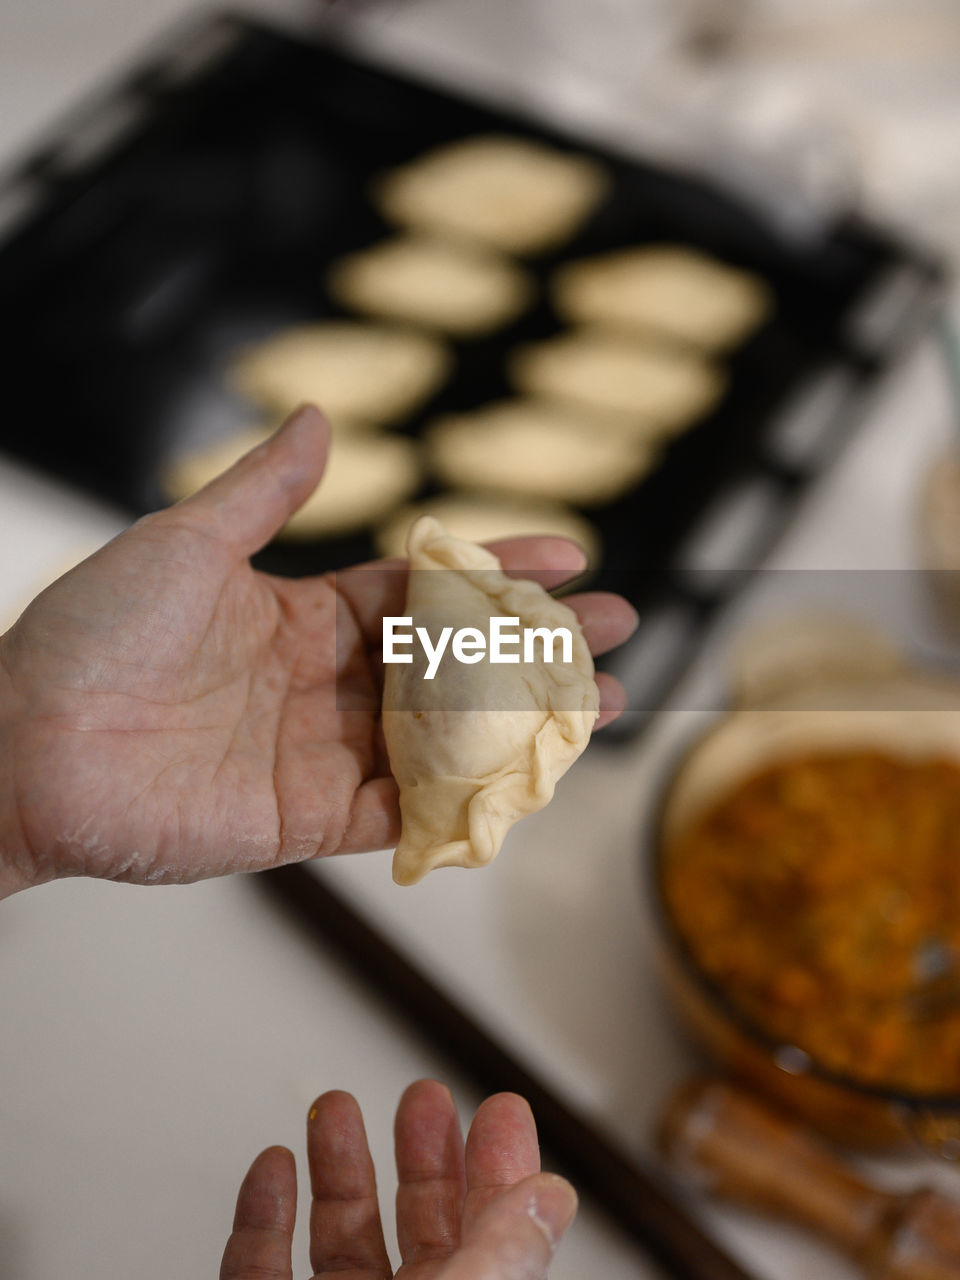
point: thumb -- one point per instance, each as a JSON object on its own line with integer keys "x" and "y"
{"x": 516, "y": 1235}
{"x": 251, "y": 501}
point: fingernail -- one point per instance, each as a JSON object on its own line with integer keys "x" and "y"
{"x": 301, "y": 412}
{"x": 552, "y": 1206}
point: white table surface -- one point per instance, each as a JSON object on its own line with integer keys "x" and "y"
{"x": 153, "y": 1040}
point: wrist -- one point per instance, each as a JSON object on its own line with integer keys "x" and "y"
{"x": 16, "y": 863}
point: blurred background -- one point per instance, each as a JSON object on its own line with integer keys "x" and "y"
{"x": 154, "y": 1040}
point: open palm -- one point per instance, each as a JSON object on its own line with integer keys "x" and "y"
{"x": 479, "y": 1210}
{"x": 169, "y": 713}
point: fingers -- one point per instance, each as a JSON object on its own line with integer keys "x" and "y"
{"x": 613, "y": 699}
{"x": 375, "y": 590}
{"x": 374, "y": 817}
{"x": 549, "y": 561}
{"x": 430, "y": 1169}
{"x": 502, "y": 1148}
{"x": 345, "y": 1230}
{"x": 516, "y": 1235}
{"x": 260, "y": 1247}
{"x": 606, "y": 619}
{"x": 252, "y": 501}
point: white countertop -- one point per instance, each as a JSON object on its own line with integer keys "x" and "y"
{"x": 153, "y": 1040}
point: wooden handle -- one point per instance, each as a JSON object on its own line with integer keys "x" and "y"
{"x": 735, "y": 1147}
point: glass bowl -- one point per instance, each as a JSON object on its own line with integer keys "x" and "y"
{"x": 907, "y": 716}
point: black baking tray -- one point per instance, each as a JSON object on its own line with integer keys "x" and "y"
{"x": 235, "y": 168}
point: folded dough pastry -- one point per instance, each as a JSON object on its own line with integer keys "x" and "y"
{"x": 374, "y": 373}
{"x": 664, "y": 386}
{"x": 539, "y": 448}
{"x": 665, "y": 289}
{"x": 461, "y": 291}
{"x": 500, "y": 191}
{"x": 488, "y": 517}
{"x": 479, "y": 746}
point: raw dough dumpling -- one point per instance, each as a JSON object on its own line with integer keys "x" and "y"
{"x": 664, "y": 289}
{"x": 373, "y": 373}
{"x": 479, "y": 746}
{"x": 668, "y": 388}
{"x": 367, "y": 475}
{"x": 462, "y": 291}
{"x": 489, "y": 517}
{"x": 503, "y": 192}
{"x": 534, "y": 447}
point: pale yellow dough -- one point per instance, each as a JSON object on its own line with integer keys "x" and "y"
{"x": 488, "y": 517}
{"x": 659, "y": 385}
{"x": 666, "y": 290}
{"x": 503, "y": 192}
{"x": 535, "y": 447}
{"x": 367, "y": 475}
{"x": 480, "y": 746}
{"x": 373, "y": 373}
{"x": 461, "y": 291}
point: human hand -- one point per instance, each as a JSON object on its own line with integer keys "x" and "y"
{"x": 479, "y": 1212}
{"x": 167, "y": 713}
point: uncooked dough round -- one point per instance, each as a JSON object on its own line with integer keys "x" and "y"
{"x": 374, "y": 373}
{"x": 664, "y": 289}
{"x": 462, "y": 291}
{"x": 367, "y": 475}
{"x": 668, "y": 388}
{"x": 500, "y": 191}
{"x": 488, "y": 517}
{"x": 531, "y": 447}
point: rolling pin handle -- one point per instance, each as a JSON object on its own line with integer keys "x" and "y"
{"x": 731, "y": 1145}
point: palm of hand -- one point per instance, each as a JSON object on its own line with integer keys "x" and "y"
{"x": 186, "y": 715}
{"x": 464, "y": 1211}
{"x": 169, "y": 714}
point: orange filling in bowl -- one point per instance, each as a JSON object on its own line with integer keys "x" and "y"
{"x": 822, "y": 896}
